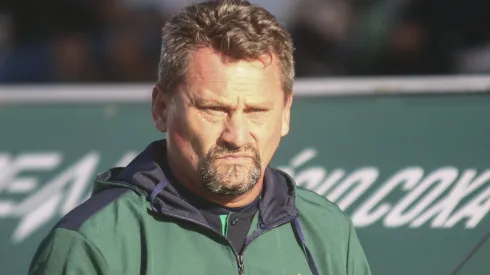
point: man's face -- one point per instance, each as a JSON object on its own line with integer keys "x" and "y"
{"x": 225, "y": 122}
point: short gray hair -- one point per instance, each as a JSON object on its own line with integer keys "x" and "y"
{"x": 238, "y": 30}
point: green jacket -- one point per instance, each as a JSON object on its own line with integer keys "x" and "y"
{"x": 135, "y": 223}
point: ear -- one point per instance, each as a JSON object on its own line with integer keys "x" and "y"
{"x": 159, "y": 108}
{"x": 286, "y": 115}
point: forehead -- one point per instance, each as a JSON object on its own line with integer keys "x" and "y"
{"x": 209, "y": 71}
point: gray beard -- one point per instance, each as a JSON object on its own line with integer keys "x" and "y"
{"x": 230, "y": 180}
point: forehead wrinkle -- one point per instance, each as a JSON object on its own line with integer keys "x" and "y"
{"x": 211, "y": 79}
{"x": 205, "y": 64}
{"x": 236, "y": 102}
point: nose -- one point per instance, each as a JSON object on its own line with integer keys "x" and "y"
{"x": 236, "y": 133}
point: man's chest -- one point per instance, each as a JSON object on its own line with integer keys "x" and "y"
{"x": 184, "y": 249}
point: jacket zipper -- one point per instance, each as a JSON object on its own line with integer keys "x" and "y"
{"x": 239, "y": 257}
{"x": 241, "y": 265}
{"x": 249, "y": 241}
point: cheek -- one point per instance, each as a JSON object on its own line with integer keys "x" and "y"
{"x": 185, "y": 131}
{"x": 269, "y": 140}
{"x": 180, "y": 136}
{"x": 179, "y": 139}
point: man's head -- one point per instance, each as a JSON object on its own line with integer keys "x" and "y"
{"x": 223, "y": 94}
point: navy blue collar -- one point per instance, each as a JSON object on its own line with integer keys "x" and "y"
{"x": 150, "y": 168}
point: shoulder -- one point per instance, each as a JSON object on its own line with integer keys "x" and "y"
{"x": 311, "y": 204}
{"x": 324, "y": 222}
{"x": 314, "y": 206}
{"x": 88, "y": 238}
{"x": 326, "y": 225}
{"x": 308, "y": 198}
{"x": 103, "y": 211}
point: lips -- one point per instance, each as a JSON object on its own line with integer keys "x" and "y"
{"x": 235, "y": 156}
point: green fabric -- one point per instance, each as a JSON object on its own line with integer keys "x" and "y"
{"x": 224, "y": 223}
{"x": 123, "y": 238}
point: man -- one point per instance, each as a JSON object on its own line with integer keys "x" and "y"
{"x": 204, "y": 200}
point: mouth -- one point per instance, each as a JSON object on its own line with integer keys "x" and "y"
{"x": 235, "y": 157}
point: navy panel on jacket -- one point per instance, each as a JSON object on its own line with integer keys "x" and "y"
{"x": 75, "y": 218}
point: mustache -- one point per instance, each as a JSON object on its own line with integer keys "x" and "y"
{"x": 221, "y": 150}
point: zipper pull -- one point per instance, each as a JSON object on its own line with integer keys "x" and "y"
{"x": 241, "y": 266}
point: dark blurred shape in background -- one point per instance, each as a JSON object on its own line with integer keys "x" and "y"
{"x": 118, "y": 40}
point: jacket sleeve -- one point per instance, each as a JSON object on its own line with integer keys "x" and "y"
{"x": 67, "y": 252}
{"x": 357, "y": 263}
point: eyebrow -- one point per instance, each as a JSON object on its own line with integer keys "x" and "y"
{"x": 198, "y": 101}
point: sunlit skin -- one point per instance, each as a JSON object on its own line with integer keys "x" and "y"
{"x": 239, "y": 107}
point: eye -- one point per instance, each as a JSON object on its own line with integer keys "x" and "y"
{"x": 256, "y": 110}
{"x": 215, "y": 109}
